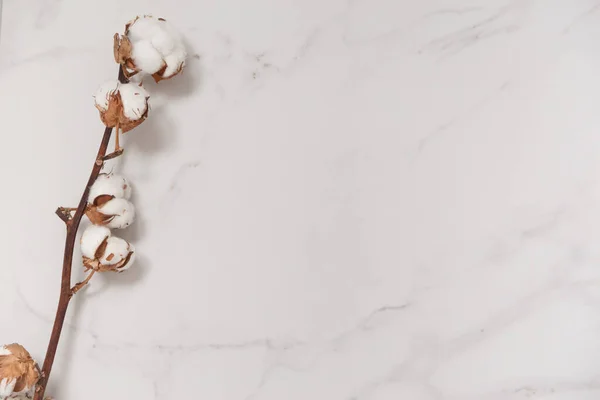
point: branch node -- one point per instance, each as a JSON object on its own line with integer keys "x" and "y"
{"x": 64, "y": 213}
{"x": 81, "y": 284}
{"x": 112, "y": 155}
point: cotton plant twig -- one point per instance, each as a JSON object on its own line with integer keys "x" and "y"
{"x": 66, "y": 291}
{"x": 82, "y": 284}
{"x": 157, "y": 51}
{"x": 110, "y": 156}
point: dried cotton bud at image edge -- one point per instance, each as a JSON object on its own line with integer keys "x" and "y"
{"x": 18, "y": 371}
{"x": 107, "y": 187}
{"x": 103, "y": 252}
{"x": 152, "y": 46}
{"x": 114, "y": 213}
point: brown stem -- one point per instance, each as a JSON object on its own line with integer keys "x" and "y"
{"x": 112, "y": 155}
{"x": 64, "y": 214}
{"x": 117, "y": 147}
{"x": 65, "y": 285}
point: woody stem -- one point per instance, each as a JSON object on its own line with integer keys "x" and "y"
{"x": 117, "y": 147}
{"x": 65, "y": 296}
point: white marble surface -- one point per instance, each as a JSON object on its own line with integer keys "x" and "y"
{"x": 357, "y": 199}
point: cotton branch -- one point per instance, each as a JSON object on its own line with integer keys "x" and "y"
{"x": 149, "y": 46}
{"x": 65, "y": 287}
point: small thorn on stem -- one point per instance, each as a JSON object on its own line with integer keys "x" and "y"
{"x": 81, "y": 284}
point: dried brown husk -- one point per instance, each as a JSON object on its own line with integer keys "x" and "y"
{"x": 126, "y": 124}
{"x": 122, "y": 49}
{"x": 96, "y": 265}
{"x": 159, "y": 75}
{"x": 19, "y": 365}
{"x": 111, "y": 116}
{"x": 114, "y": 115}
{"x": 96, "y": 216}
{"x": 104, "y": 198}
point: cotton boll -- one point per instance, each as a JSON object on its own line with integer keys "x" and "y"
{"x": 7, "y": 386}
{"x": 104, "y": 92}
{"x": 164, "y": 42}
{"x": 116, "y": 251}
{"x": 19, "y": 373}
{"x": 126, "y": 186}
{"x": 172, "y": 31}
{"x": 117, "y": 255}
{"x": 135, "y": 101}
{"x": 175, "y": 62}
{"x": 25, "y": 393}
{"x": 128, "y": 262}
{"x": 126, "y": 106}
{"x": 121, "y": 212}
{"x": 115, "y": 213}
{"x": 143, "y": 28}
{"x": 26, "y": 396}
{"x": 146, "y": 57}
{"x": 92, "y": 238}
{"x": 109, "y": 185}
{"x": 133, "y": 50}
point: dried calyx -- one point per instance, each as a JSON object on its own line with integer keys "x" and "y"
{"x": 18, "y": 371}
{"x": 151, "y": 46}
{"x": 122, "y": 105}
{"x": 103, "y": 252}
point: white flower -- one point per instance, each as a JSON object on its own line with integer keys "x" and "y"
{"x": 152, "y": 46}
{"x": 109, "y": 186}
{"x": 115, "y": 213}
{"x": 92, "y": 239}
{"x": 122, "y": 105}
{"x": 18, "y": 371}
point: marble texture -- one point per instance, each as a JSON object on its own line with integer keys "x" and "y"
{"x": 339, "y": 199}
